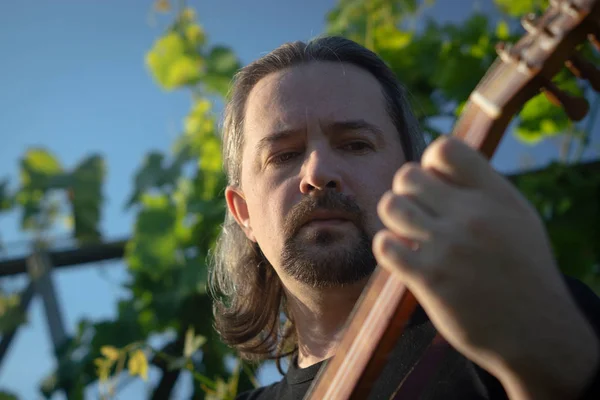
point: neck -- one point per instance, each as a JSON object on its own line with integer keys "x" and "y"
{"x": 320, "y": 316}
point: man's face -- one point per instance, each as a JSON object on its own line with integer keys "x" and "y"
{"x": 320, "y": 150}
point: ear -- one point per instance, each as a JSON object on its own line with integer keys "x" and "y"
{"x": 236, "y": 203}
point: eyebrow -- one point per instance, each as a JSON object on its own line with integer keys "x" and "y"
{"x": 355, "y": 125}
{"x": 330, "y": 129}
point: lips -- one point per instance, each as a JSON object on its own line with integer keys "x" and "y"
{"x": 325, "y": 209}
{"x": 326, "y": 222}
{"x": 326, "y": 218}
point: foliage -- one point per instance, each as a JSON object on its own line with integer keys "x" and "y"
{"x": 11, "y": 314}
{"x": 567, "y": 199}
{"x": 6, "y": 200}
{"x": 113, "y": 360}
{"x": 7, "y": 395}
{"x": 177, "y": 195}
{"x": 176, "y": 199}
{"x": 441, "y": 64}
{"x": 182, "y": 58}
{"x": 520, "y": 8}
{"x": 43, "y": 181}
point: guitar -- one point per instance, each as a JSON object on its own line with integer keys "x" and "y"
{"x": 519, "y": 73}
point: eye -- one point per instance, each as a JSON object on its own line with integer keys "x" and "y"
{"x": 356, "y": 146}
{"x": 283, "y": 157}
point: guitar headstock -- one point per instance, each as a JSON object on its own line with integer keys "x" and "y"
{"x": 524, "y": 69}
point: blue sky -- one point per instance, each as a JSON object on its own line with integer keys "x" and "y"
{"x": 73, "y": 80}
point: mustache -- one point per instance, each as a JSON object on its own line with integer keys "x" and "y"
{"x": 329, "y": 201}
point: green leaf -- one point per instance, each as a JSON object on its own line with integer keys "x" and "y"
{"x": 518, "y": 8}
{"x": 148, "y": 176}
{"x": 540, "y": 119}
{"x": 170, "y": 63}
{"x": 110, "y": 352}
{"x": 4, "y": 395}
{"x": 502, "y": 30}
{"x": 195, "y": 34}
{"x": 138, "y": 364}
{"x": 210, "y": 157}
{"x": 192, "y": 342}
{"x": 147, "y": 320}
{"x": 183, "y": 71}
{"x": 566, "y": 197}
{"x": 6, "y": 198}
{"x": 60, "y": 181}
{"x": 11, "y": 315}
{"x": 388, "y": 37}
{"x": 38, "y": 166}
{"x": 40, "y": 162}
{"x": 221, "y": 65}
{"x": 218, "y": 84}
{"x": 87, "y": 199}
{"x": 193, "y": 276}
{"x": 223, "y": 61}
{"x": 199, "y": 120}
{"x": 154, "y": 244}
{"x": 119, "y": 332}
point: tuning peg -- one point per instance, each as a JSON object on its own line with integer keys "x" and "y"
{"x": 505, "y": 53}
{"x": 566, "y": 6}
{"x": 528, "y": 22}
{"x": 575, "y": 107}
{"x": 584, "y": 69}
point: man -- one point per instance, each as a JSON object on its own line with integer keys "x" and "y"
{"x": 327, "y": 178}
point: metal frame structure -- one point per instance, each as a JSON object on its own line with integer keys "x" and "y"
{"x": 41, "y": 263}
{"x": 39, "y": 267}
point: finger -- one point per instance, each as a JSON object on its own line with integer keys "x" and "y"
{"x": 405, "y": 217}
{"x": 395, "y": 254}
{"x": 429, "y": 190}
{"x": 459, "y": 163}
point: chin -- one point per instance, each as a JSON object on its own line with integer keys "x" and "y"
{"x": 329, "y": 238}
{"x": 329, "y": 260}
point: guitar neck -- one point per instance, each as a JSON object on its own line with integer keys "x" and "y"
{"x": 376, "y": 323}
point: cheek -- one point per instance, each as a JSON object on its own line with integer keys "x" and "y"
{"x": 370, "y": 194}
{"x": 373, "y": 223}
{"x": 267, "y": 212}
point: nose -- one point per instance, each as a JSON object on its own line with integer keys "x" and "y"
{"x": 320, "y": 173}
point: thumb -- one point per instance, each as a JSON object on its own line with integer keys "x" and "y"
{"x": 460, "y": 164}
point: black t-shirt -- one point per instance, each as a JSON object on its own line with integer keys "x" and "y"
{"x": 455, "y": 378}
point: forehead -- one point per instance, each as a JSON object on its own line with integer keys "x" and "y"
{"x": 313, "y": 92}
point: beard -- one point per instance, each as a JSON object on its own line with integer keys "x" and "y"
{"x": 323, "y": 257}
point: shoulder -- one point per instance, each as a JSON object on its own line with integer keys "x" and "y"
{"x": 262, "y": 393}
{"x": 587, "y": 301}
{"x": 582, "y": 293}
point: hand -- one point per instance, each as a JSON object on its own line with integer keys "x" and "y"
{"x": 475, "y": 254}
